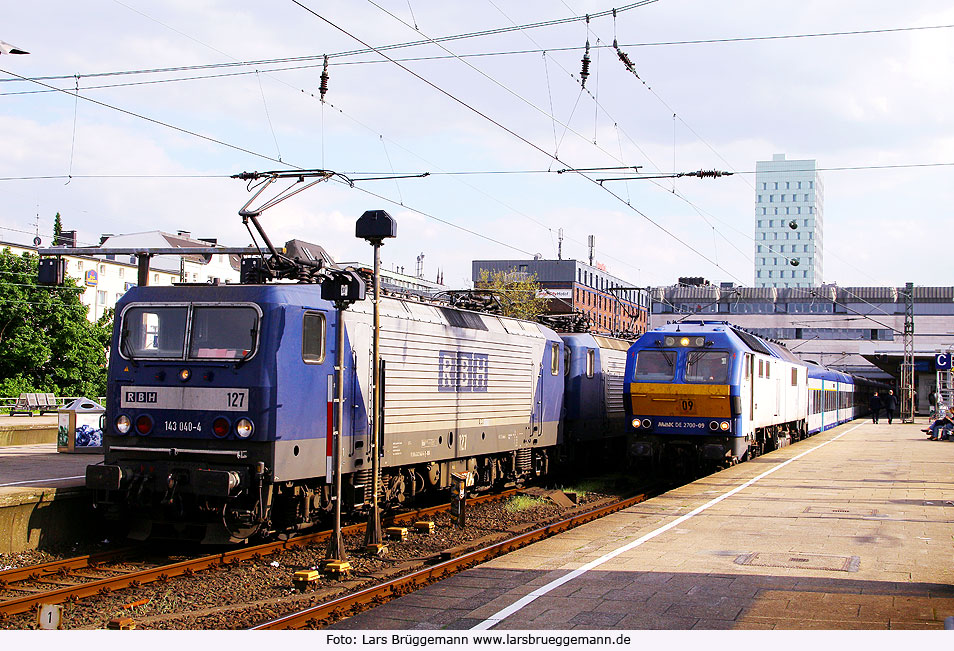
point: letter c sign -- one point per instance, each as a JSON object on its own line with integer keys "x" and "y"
{"x": 942, "y": 361}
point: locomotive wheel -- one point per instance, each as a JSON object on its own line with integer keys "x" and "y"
{"x": 236, "y": 526}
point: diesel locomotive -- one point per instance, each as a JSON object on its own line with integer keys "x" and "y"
{"x": 707, "y": 391}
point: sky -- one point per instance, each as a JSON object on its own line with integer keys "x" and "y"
{"x": 199, "y": 90}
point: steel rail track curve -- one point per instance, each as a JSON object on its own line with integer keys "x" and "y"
{"x": 376, "y": 595}
{"x": 46, "y": 571}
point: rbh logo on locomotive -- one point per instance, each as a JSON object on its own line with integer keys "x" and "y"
{"x": 141, "y": 397}
{"x": 459, "y": 371}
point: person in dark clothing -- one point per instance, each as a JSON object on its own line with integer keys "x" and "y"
{"x": 937, "y": 429}
{"x": 874, "y": 404}
{"x": 890, "y": 404}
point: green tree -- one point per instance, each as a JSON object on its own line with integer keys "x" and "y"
{"x": 47, "y": 345}
{"x": 57, "y": 229}
{"x": 516, "y": 291}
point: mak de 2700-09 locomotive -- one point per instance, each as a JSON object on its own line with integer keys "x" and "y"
{"x": 221, "y": 401}
{"x": 710, "y": 391}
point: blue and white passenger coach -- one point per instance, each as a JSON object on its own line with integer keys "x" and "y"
{"x": 221, "y": 401}
{"x": 712, "y": 391}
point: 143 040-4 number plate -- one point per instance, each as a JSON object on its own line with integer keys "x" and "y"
{"x": 183, "y": 426}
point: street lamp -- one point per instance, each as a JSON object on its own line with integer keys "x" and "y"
{"x": 375, "y": 226}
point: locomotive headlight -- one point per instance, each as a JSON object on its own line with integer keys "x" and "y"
{"x": 185, "y": 374}
{"x": 647, "y": 423}
{"x": 636, "y": 423}
{"x": 713, "y": 425}
{"x": 684, "y": 341}
{"x": 670, "y": 341}
{"x": 123, "y": 424}
{"x": 724, "y": 426}
{"x": 244, "y": 428}
{"x": 700, "y": 341}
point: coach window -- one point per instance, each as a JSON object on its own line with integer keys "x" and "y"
{"x": 707, "y": 367}
{"x": 655, "y": 365}
{"x": 313, "y": 338}
{"x": 794, "y": 377}
{"x": 554, "y": 359}
{"x": 590, "y": 362}
{"x": 761, "y": 368}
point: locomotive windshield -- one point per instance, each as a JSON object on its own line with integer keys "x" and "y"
{"x": 215, "y": 332}
{"x": 655, "y": 365}
{"x": 222, "y": 332}
{"x": 151, "y": 331}
{"x": 707, "y": 367}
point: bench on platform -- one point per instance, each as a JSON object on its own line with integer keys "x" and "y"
{"x": 27, "y": 403}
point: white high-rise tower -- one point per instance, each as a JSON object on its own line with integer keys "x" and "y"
{"x": 789, "y": 223}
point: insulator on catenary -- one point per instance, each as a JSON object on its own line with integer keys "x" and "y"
{"x": 624, "y": 58}
{"x": 709, "y": 174}
{"x": 323, "y": 87}
{"x": 585, "y": 72}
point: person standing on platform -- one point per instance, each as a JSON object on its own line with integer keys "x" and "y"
{"x": 890, "y": 404}
{"x": 874, "y": 404}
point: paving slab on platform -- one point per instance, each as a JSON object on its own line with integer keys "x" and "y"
{"x": 850, "y": 529}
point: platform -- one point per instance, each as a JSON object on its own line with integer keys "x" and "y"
{"x": 850, "y": 529}
{"x": 43, "y": 501}
{"x": 27, "y": 430}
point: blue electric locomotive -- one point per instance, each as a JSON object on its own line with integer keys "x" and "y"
{"x": 219, "y": 413}
{"x": 594, "y": 419}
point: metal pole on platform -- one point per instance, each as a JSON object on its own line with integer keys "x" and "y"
{"x": 375, "y": 226}
{"x": 372, "y": 534}
{"x": 336, "y": 548}
{"x": 907, "y": 366}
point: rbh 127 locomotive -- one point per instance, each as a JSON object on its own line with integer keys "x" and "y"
{"x": 221, "y": 402}
{"x": 707, "y": 390}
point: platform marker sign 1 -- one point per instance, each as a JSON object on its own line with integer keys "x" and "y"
{"x": 942, "y": 361}
{"x": 50, "y": 617}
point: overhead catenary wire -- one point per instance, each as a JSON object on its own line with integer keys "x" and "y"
{"x": 857, "y": 32}
{"x": 317, "y": 58}
{"x": 279, "y": 158}
{"x": 266, "y": 157}
{"x": 516, "y": 135}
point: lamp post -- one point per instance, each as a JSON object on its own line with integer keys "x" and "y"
{"x": 375, "y": 226}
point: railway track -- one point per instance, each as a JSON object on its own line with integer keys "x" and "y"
{"x": 23, "y": 589}
{"x": 350, "y": 604}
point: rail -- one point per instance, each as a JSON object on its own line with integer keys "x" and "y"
{"x": 375, "y": 595}
{"x": 164, "y": 572}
